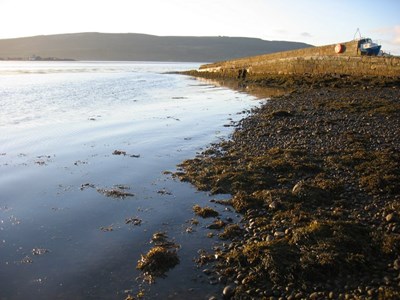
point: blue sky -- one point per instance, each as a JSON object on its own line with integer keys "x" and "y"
{"x": 317, "y": 22}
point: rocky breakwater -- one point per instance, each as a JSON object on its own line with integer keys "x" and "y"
{"x": 315, "y": 175}
{"x": 323, "y": 60}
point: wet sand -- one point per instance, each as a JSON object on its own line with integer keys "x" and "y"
{"x": 314, "y": 175}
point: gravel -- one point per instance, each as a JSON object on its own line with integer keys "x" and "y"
{"x": 315, "y": 176}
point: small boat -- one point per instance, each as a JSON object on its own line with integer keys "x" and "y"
{"x": 368, "y": 47}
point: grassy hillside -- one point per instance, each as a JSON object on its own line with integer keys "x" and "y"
{"x": 142, "y": 47}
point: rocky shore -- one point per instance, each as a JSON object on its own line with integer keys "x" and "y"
{"x": 315, "y": 175}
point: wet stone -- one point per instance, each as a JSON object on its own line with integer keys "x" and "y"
{"x": 228, "y": 291}
{"x": 207, "y": 271}
{"x": 396, "y": 264}
{"x": 390, "y": 217}
{"x": 279, "y": 234}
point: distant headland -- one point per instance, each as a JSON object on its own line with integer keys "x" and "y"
{"x": 139, "y": 47}
{"x": 37, "y": 58}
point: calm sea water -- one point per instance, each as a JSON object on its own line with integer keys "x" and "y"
{"x": 60, "y": 123}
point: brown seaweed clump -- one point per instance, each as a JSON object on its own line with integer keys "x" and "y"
{"x": 205, "y": 212}
{"x": 160, "y": 259}
{"x": 231, "y": 231}
{"x": 157, "y": 262}
{"x": 317, "y": 252}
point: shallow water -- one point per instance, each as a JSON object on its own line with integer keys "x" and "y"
{"x": 60, "y": 123}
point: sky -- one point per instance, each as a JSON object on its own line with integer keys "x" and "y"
{"x": 317, "y": 22}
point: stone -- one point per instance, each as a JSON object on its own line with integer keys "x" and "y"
{"x": 207, "y": 271}
{"x": 396, "y": 264}
{"x": 390, "y": 217}
{"x": 279, "y": 234}
{"x": 228, "y": 291}
{"x": 269, "y": 238}
{"x": 240, "y": 277}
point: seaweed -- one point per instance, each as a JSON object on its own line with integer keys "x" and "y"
{"x": 205, "y": 212}
{"x": 159, "y": 259}
{"x": 157, "y": 262}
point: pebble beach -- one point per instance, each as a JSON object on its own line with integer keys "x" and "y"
{"x": 314, "y": 175}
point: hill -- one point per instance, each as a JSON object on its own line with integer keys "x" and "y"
{"x": 140, "y": 47}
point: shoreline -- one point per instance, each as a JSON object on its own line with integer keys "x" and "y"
{"x": 314, "y": 174}
{"x": 85, "y": 181}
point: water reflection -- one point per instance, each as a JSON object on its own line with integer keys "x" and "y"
{"x": 261, "y": 92}
{"x": 60, "y": 237}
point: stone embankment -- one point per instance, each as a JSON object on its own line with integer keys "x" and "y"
{"x": 339, "y": 59}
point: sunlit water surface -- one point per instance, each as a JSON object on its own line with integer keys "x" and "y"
{"x": 60, "y": 123}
